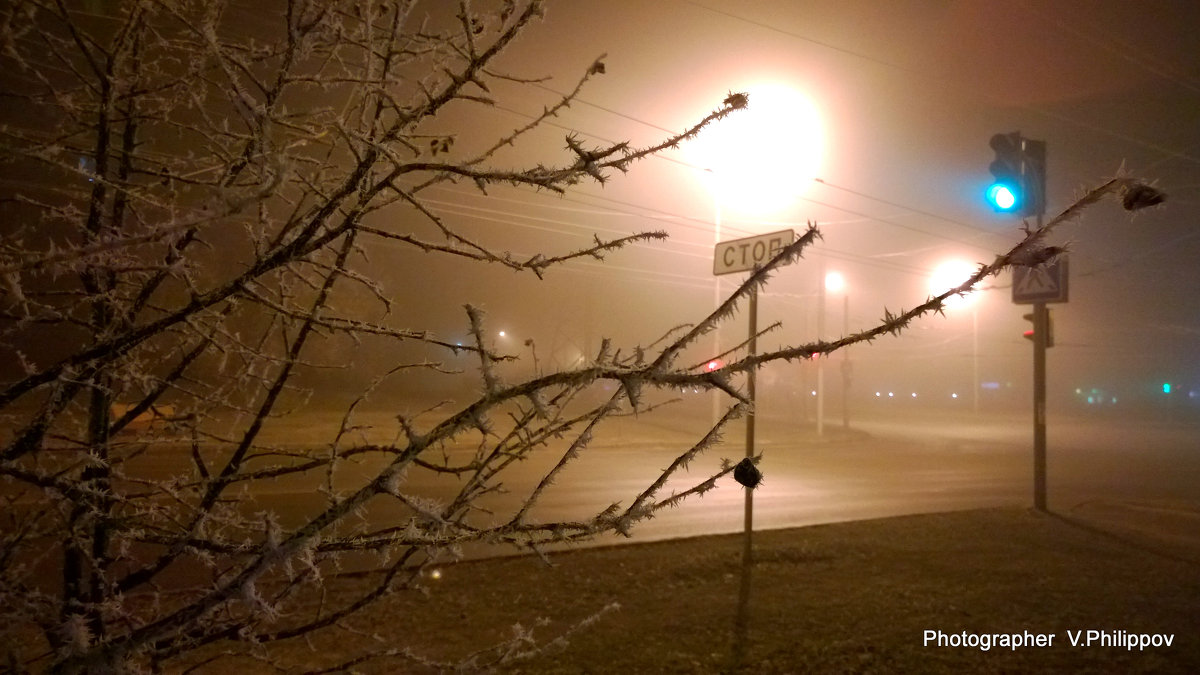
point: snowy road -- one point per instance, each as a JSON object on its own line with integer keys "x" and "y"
{"x": 878, "y": 469}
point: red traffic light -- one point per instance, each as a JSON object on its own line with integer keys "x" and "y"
{"x": 1028, "y": 334}
{"x": 715, "y": 364}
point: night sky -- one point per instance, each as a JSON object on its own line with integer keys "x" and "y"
{"x": 908, "y": 95}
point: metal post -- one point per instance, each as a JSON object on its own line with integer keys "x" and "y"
{"x": 845, "y": 362}
{"x": 975, "y": 356}
{"x": 1041, "y": 338}
{"x": 821, "y": 357}
{"x": 716, "y": 393}
{"x": 742, "y": 624}
{"x": 1041, "y": 330}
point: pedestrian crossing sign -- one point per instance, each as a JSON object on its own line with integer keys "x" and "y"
{"x": 1041, "y": 283}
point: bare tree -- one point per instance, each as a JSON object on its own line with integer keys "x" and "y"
{"x": 193, "y": 197}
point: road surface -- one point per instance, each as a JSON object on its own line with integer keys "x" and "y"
{"x": 877, "y": 468}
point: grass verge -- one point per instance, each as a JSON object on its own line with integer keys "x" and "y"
{"x": 848, "y": 597}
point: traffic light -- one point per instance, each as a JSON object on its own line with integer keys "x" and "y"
{"x": 1019, "y": 172}
{"x": 715, "y": 364}
{"x": 1028, "y": 334}
{"x": 1005, "y": 191}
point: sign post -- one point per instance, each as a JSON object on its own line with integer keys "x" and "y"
{"x": 1038, "y": 286}
{"x": 744, "y": 255}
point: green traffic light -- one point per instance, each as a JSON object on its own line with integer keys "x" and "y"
{"x": 1002, "y": 197}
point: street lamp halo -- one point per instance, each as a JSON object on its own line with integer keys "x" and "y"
{"x": 835, "y": 282}
{"x": 951, "y": 274}
{"x": 761, "y": 158}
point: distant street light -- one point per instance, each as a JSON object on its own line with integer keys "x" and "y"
{"x": 836, "y": 283}
{"x": 948, "y": 275}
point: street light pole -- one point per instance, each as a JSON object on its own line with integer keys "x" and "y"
{"x": 975, "y": 356}
{"x": 1041, "y": 340}
{"x": 845, "y": 361}
{"x": 820, "y": 357}
{"x": 1041, "y": 326}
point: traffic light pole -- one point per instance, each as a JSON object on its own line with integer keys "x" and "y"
{"x": 1041, "y": 332}
{"x": 1020, "y": 186}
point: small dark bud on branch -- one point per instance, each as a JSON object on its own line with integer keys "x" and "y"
{"x": 738, "y": 101}
{"x": 747, "y": 474}
{"x": 1139, "y": 196}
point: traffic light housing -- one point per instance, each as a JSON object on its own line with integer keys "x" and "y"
{"x": 1034, "y": 177}
{"x": 1019, "y": 174}
{"x": 1028, "y": 334}
{"x": 1005, "y": 191}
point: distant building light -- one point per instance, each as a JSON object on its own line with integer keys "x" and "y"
{"x": 890, "y": 394}
{"x": 953, "y": 395}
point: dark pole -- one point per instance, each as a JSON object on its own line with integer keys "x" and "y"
{"x": 1041, "y": 330}
{"x": 845, "y": 361}
{"x": 742, "y": 625}
{"x": 1034, "y": 155}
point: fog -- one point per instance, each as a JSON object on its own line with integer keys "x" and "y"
{"x": 909, "y": 95}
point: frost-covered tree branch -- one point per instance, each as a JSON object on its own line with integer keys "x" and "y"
{"x": 203, "y": 185}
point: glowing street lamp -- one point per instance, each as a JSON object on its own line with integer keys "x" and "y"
{"x": 761, "y": 158}
{"x": 757, "y": 161}
{"x": 834, "y": 283}
{"x": 952, "y": 274}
